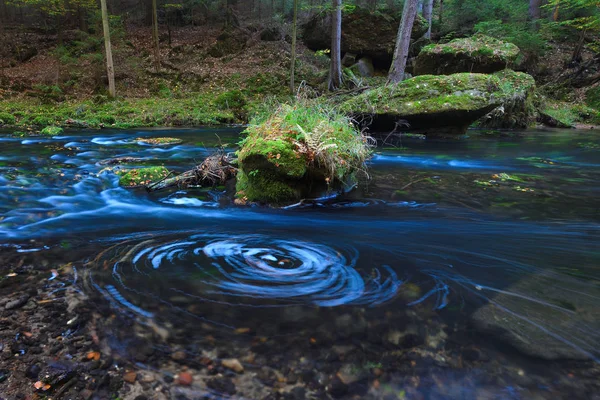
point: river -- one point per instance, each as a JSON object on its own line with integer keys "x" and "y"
{"x": 462, "y": 269}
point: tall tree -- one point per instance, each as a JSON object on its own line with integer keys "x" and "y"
{"x": 110, "y": 69}
{"x": 294, "y": 34}
{"x": 155, "y": 36}
{"x": 428, "y": 15}
{"x": 403, "y": 41}
{"x": 335, "y": 71}
{"x": 535, "y": 9}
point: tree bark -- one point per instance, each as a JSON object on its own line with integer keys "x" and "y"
{"x": 535, "y": 9}
{"x": 335, "y": 72}
{"x": 110, "y": 69}
{"x": 294, "y": 34}
{"x": 403, "y": 42}
{"x": 428, "y": 15}
{"x": 155, "y": 36}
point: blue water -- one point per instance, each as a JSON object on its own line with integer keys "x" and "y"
{"x": 491, "y": 241}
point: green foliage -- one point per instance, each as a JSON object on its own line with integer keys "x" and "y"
{"x": 531, "y": 43}
{"x": 55, "y": 7}
{"x": 233, "y": 99}
{"x": 6, "y": 118}
{"x": 592, "y": 97}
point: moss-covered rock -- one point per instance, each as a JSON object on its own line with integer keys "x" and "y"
{"x": 435, "y": 105}
{"x": 141, "y": 176}
{"x": 297, "y": 148}
{"x": 517, "y": 109}
{"x": 478, "y": 54}
{"x": 364, "y": 33}
{"x": 52, "y": 131}
{"x": 161, "y": 141}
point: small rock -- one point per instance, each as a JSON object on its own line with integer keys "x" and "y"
{"x": 185, "y": 379}
{"x": 297, "y": 393}
{"x": 222, "y": 385}
{"x": 337, "y": 388}
{"x": 14, "y": 304}
{"x": 130, "y": 377}
{"x": 233, "y": 364}
{"x": 33, "y": 371}
{"x": 179, "y": 356}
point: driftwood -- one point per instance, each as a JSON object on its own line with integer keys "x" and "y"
{"x": 214, "y": 170}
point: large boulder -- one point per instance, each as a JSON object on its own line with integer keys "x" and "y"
{"x": 364, "y": 33}
{"x": 517, "y": 109}
{"x": 477, "y": 54}
{"x": 295, "y": 150}
{"x": 230, "y": 41}
{"x": 434, "y": 105}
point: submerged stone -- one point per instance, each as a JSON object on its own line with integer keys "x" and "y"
{"x": 433, "y": 105}
{"x": 477, "y": 54}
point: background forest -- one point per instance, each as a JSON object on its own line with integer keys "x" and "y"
{"x": 213, "y": 61}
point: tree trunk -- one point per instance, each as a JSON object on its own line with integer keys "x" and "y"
{"x": 294, "y": 34}
{"x": 155, "y": 36}
{"x": 441, "y": 16}
{"x": 428, "y": 15}
{"x": 335, "y": 72}
{"x": 110, "y": 69}
{"x": 403, "y": 42}
{"x": 535, "y": 9}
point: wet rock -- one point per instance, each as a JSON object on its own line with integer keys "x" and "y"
{"x": 350, "y": 373}
{"x": 233, "y": 364}
{"x": 179, "y": 356}
{"x": 130, "y": 377}
{"x": 297, "y": 393}
{"x": 17, "y": 303}
{"x": 337, "y": 388}
{"x": 33, "y": 371}
{"x": 223, "y": 385}
{"x": 410, "y": 337}
{"x": 348, "y": 325}
{"x": 185, "y": 379}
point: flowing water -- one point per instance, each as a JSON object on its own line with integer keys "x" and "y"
{"x": 467, "y": 269}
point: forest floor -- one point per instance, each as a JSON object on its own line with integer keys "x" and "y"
{"x": 208, "y": 76}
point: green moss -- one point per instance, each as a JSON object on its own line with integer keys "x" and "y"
{"x": 52, "y": 131}
{"x": 141, "y": 176}
{"x": 592, "y": 98}
{"x": 276, "y": 154}
{"x": 264, "y": 187}
{"x": 428, "y": 94}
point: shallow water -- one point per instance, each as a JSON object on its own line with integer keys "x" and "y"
{"x": 461, "y": 269}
